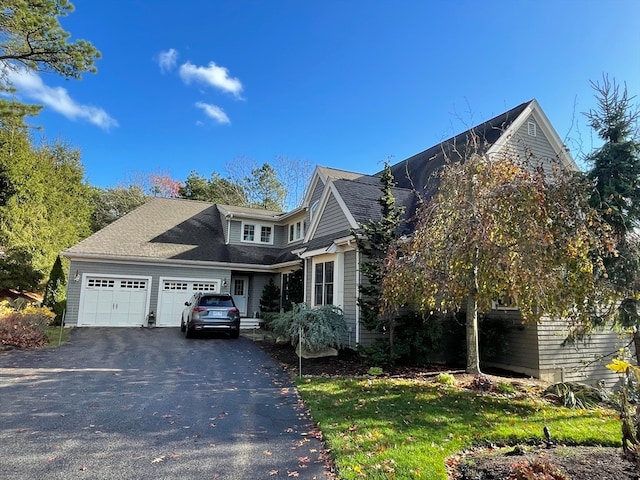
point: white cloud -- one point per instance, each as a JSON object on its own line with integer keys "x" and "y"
{"x": 214, "y": 112}
{"x": 58, "y": 99}
{"x": 212, "y": 75}
{"x": 167, "y": 60}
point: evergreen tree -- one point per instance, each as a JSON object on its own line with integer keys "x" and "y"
{"x": 270, "y": 299}
{"x": 373, "y": 241}
{"x": 33, "y": 39}
{"x": 265, "y": 190}
{"x": 112, "y": 203}
{"x": 51, "y": 207}
{"x": 615, "y": 173}
{"x": 55, "y": 291}
{"x": 215, "y": 190}
{"x": 16, "y": 270}
{"x": 294, "y": 289}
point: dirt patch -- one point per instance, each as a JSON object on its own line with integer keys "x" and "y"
{"x": 576, "y": 462}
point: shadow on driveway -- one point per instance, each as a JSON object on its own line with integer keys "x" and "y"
{"x": 132, "y": 403}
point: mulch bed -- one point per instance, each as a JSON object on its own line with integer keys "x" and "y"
{"x": 576, "y": 462}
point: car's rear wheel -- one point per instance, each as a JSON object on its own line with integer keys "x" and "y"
{"x": 188, "y": 331}
{"x": 183, "y": 327}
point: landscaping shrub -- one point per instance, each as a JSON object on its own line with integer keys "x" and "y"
{"x": 506, "y": 388}
{"x": 482, "y": 383}
{"x": 321, "y": 327}
{"x": 493, "y": 338}
{"x": 378, "y": 353}
{"x": 446, "y": 379}
{"x": 418, "y": 341}
{"x": 574, "y": 395}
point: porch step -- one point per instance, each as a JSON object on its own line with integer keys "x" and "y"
{"x": 249, "y": 323}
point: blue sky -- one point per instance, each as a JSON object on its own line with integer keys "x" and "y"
{"x": 195, "y": 85}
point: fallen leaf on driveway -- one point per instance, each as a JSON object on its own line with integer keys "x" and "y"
{"x": 274, "y": 472}
{"x": 293, "y": 474}
{"x": 158, "y": 459}
{"x": 83, "y": 468}
{"x": 267, "y": 452}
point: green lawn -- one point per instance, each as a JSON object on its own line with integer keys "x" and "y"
{"x": 56, "y": 336}
{"x": 404, "y": 429}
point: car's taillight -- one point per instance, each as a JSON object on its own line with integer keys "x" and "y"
{"x": 233, "y": 311}
{"x": 200, "y": 309}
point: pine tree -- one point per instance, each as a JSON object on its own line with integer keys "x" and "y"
{"x": 374, "y": 240}
{"x": 270, "y": 299}
{"x": 615, "y": 174}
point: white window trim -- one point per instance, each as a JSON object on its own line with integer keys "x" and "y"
{"x": 296, "y": 238}
{"x": 257, "y": 233}
{"x": 338, "y": 278}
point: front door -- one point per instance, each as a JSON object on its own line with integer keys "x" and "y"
{"x": 240, "y": 293}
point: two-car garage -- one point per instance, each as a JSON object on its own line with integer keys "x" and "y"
{"x": 123, "y": 301}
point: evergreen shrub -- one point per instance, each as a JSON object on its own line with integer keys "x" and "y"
{"x": 321, "y": 327}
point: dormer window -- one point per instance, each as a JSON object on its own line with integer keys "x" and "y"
{"x": 296, "y": 231}
{"x": 265, "y": 234}
{"x": 257, "y": 233}
{"x": 248, "y": 233}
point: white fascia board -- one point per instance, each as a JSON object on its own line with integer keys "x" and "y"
{"x": 346, "y": 243}
{"x": 315, "y": 253}
{"x": 534, "y": 109}
{"x": 315, "y": 178}
{"x": 286, "y": 217}
{"x": 187, "y": 263}
{"x": 329, "y": 189}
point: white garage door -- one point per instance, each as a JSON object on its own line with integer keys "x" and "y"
{"x": 174, "y": 293}
{"x": 113, "y": 302}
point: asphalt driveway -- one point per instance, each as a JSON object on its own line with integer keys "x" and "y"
{"x": 133, "y": 403}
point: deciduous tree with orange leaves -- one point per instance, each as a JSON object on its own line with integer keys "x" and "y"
{"x": 498, "y": 226}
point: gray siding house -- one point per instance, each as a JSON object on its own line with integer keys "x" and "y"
{"x": 152, "y": 260}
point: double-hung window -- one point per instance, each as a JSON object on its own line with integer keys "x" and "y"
{"x": 296, "y": 231}
{"x": 265, "y": 234}
{"x": 323, "y": 283}
{"x": 248, "y": 233}
{"x": 257, "y": 233}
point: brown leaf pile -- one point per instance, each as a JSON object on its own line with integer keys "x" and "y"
{"x": 23, "y": 331}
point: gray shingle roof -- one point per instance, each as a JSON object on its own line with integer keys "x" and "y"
{"x": 167, "y": 228}
{"x": 419, "y": 172}
{"x": 362, "y": 198}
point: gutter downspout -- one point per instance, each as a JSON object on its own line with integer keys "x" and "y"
{"x": 229, "y": 216}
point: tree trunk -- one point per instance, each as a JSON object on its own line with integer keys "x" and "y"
{"x": 473, "y": 350}
{"x": 473, "y": 356}
{"x": 636, "y": 342}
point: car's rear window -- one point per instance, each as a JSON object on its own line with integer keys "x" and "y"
{"x": 216, "y": 302}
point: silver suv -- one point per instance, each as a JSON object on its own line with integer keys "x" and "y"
{"x": 210, "y": 312}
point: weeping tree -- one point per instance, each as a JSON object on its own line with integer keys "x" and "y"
{"x": 499, "y": 227}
